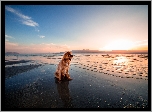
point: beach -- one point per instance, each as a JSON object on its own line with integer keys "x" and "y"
{"x": 99, "y": 81}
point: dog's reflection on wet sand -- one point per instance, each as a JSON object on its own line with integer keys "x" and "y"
{"x": 63, "y": 91}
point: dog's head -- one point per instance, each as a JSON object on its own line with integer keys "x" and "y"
{"x": 68, "y": 56}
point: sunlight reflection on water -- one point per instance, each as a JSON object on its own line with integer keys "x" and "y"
{"x": 119, "y": 65}
{"x": 120, "y": 60}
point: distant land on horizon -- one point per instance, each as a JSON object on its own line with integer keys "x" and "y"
{"x": 111, "y": 51}
{"x": 13, "y": 53}
{"x": 94, "y": 51}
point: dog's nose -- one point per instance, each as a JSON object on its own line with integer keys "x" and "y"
{"x": 71, "y": 55}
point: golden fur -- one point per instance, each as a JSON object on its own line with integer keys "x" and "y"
{"x": 63, "y": 67}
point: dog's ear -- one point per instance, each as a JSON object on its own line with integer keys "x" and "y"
{"x": 64, "y": 55}
{"x": 69, "y": 52}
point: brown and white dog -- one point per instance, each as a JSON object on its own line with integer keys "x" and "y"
{"x": 63, "y": 67}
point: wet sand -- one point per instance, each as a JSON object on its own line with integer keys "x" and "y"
{"x": 15, "y": 62}
{"x": 11, "y": 71}
{"x": 98, "y": 82}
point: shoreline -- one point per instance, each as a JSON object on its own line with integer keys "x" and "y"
{"x": 14, "y": 70}
{"x": 16, "y": 62}
{"x": 98, "y": 82}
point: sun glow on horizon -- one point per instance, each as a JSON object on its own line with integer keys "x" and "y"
{"x": 119, "y": 45}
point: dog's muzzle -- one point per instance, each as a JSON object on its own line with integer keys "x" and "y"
{"x": 70, "y": 56}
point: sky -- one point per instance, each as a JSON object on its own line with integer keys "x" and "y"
{"x": 59, "y": 28}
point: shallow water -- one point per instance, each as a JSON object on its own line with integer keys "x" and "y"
{"x": 99, "y": 81}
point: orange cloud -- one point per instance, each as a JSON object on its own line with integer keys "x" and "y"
{"x": 35, "y": 48}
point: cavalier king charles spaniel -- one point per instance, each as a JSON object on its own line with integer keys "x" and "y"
{"x": 62, "y": 70}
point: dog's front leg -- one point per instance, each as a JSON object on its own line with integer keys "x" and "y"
{"x": 67, "y": 70}
{"x": 67, "y": 73}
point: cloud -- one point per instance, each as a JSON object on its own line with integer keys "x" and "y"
{"x": 63, "y": 47}
{"x": 66, "y": 46}
{"x": 41, "y": 36}
{"x": 10, "y": 44}
{"x": 52, "y": 44}
{"x": 7, "y": 36}
{"x": 6, "y": 40}
{"x": 35, "y": 48}
{"x": 36, "y": 29}
{"x": 26, "y": 20}
{"x": 141, "y": 43}
{"x": 29, "y": 23}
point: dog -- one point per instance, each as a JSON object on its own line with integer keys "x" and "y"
{"x": 62, "y": 70}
